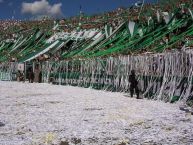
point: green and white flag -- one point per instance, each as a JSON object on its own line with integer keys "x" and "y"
{"x": 150, "y": 21}
{"x": 140, "y": 32}
{"x": 108, "y": 30}
{"x": 56, "y": 25}
{"x": 167, "y": 17}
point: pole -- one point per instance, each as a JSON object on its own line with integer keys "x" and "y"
{"x": 141, "y": 8}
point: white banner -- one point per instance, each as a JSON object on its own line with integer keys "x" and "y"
{"x": 131, "y": 27}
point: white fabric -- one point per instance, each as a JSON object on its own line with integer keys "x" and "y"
{"x": 131, "y": 27}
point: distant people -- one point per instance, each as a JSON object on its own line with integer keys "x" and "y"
{"x": 20, "y": 76}
{"x": 133, "y": 84}
{"x": 40, "y": 77}
{"x": 36, "y": 74}
{"x": 31, "y": 76}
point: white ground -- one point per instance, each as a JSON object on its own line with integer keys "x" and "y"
{"x": 36, "y": 114}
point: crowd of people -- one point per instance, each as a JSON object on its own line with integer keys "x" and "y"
{"x": 32, "y": 75}
{"x": 9, "y": 27}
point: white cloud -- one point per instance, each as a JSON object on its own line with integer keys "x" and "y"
{"x": 42, "y": 8}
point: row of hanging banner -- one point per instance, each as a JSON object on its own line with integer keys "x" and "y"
{"x": 8, "y": 71}
{"x": 160, "y": 76}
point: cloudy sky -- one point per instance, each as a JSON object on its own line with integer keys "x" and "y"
{"x": 26, "y": 9}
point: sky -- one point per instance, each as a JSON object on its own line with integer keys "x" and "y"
{"x": 28, "y": 9}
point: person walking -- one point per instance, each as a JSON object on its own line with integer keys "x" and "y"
{"x": 133, "y": 84}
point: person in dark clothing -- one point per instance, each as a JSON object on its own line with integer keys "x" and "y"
{"x": 31, "y": 76}
{"x": 40, "y": 77}
{"x": 20, "y": 76}
{"x": 133, "y": 84}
